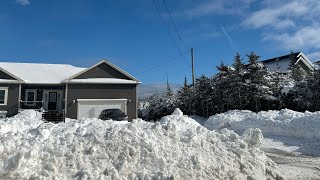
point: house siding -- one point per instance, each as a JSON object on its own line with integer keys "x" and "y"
{"x": 39, "y": 89}
{"x": 13, "y": 99}
{"x": 304, "y": 67}
{"x": 101, "y": 91}
{"x": 102, "y": 71}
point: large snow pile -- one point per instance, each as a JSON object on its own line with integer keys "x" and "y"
{"x": 275, "y": 123}
{"x": 177, "y": 147}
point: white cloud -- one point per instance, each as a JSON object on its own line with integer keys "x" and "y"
{"x": 288, "y": 24}
{"x": 23, "y": 2}
{"x": 278, "y": 16}
{"x": 306, "y": 37}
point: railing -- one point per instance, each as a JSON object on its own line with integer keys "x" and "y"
{"x": 37, "y": 105}
{"x": 54, "y": 116}
{"x": 50, "y": 116}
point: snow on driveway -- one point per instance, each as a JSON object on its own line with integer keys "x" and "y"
{"x": 177, "y": 147}
{"x": 292, "y": 139}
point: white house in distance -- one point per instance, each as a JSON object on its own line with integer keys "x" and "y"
{"x": 282, "y": 63}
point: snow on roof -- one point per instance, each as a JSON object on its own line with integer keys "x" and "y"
{"x": 36, "y": 73}
{"x": 281, "y": 65}
{"x": 104, "y": 81}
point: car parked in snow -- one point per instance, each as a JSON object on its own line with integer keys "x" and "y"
{"x": 113, "y": 114}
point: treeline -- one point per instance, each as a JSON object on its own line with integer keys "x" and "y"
{"x": 241, "y": 86}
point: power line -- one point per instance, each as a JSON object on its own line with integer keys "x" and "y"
{"x": 160, "y": 12}
{"x": 172, "y": 21}
{"x": 164, "y": 63}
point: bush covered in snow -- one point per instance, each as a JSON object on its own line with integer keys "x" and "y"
{"x": 159, "y": 106}
{"x": 174, "y": 148}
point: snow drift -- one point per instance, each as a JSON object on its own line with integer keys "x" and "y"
{"x": 274, "y": 123}
{"x": 177, "y": 147}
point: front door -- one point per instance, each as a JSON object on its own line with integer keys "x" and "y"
{"x": 52, "y": 102}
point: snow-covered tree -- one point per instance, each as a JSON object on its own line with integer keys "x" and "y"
{"x": 259, "y": 91}
{"x": 314, "y": 85}
{"x": 201, "y": 94}
{"x": 161, "y": 105}
{"x": 184, "y": 98}
{"x": 295, "y": 70}
{"x": 237, "y": 83}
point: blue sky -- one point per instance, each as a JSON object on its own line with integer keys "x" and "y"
{"x": 132, "y": 35}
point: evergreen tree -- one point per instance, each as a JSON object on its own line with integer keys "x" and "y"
{"x": 201, "y": 94}
{"x": 253, "y": 58}
{"x": 236, "y": 83}
{"x": 184, "y": 98}
{"x": 314, "y": 84}
{"x": 259, "y": 94}
{"x": 296, "y": 72}
{"x": 222, "y": 67}
{"x": 238, "y": 65}
{"x": 161, "y": 105}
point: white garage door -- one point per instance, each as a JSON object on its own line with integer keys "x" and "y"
{"x": 91, "y": 108}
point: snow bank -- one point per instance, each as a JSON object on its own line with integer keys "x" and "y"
{"x": 177, "y": 147}
{"x": 272, "y": 123}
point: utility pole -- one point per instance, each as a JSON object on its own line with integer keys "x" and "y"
{"x": 168, "y": 87}
{"x": 192, "y": 62}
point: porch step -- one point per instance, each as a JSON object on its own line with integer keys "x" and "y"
{"x": 53, "y": 116}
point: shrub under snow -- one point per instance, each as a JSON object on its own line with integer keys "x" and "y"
{"x": 176, "y": 147}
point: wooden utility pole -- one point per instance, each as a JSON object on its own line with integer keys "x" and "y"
{"x": 192, "y": 59}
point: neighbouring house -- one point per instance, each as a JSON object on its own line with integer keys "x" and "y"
{"x": 317, "y": 65}
{"x": 282, "y": 64}
{"x": 72, "y": 91}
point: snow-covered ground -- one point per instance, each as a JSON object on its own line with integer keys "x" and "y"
{"x": 292, "y": 139}
{"x": 177, "y": 147}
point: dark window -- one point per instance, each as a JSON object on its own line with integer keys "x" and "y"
{"x": 30, "y": 98}
{"x": 2, "y": 96}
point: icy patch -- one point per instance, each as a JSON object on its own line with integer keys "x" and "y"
{"x": 177, "y": 147}
{"x": 273, "y": 144}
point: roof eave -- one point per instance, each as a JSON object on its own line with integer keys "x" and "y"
{"x": 306, "y": 61}
{"x": 103, "y": 61}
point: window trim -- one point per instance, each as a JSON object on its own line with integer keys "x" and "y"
{"x": 5, "y": 101}
{"x": 34, "y": 97}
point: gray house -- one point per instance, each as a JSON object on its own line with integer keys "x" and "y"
{"x": 282, "y": 63}
{"x": 72, "y": 91}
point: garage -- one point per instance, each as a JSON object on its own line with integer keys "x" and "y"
{"x": 91, "y": 108}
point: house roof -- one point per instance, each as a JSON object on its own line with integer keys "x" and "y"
{"x": 280, "y": 58}
{"x": 282, "y": 63}
{"x": 34, "y": 73}
{"x": 108, "y": 63}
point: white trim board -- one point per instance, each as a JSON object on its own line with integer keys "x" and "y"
{"x": 46, "y": 100}
{"x": 6, "y": 90}
{"x": 102, "y": 100}
{"x": 26, "y": 96}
